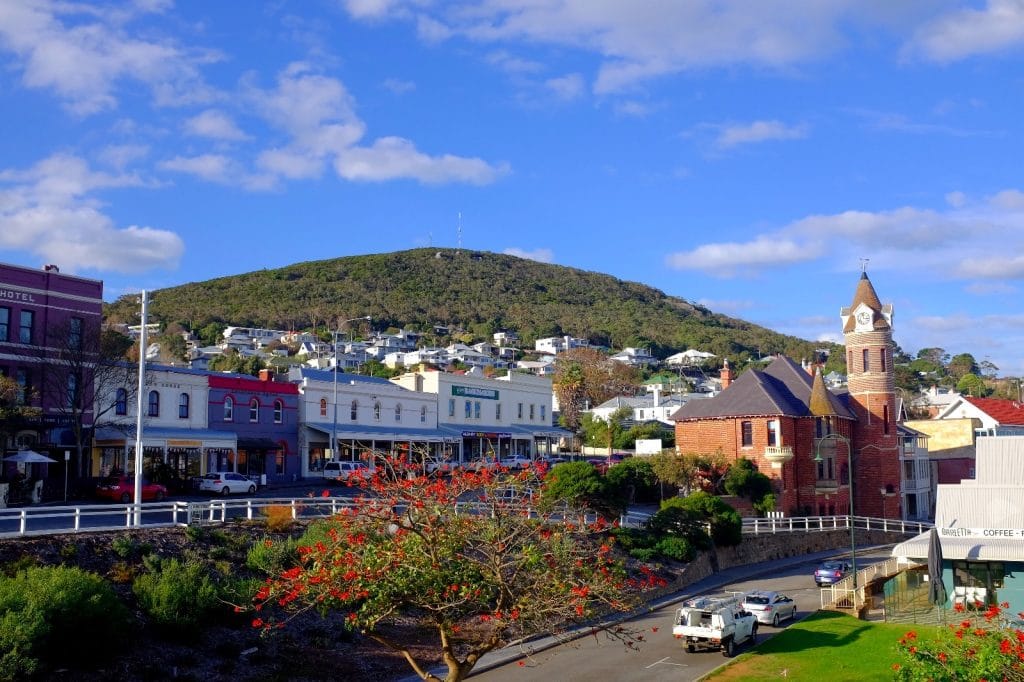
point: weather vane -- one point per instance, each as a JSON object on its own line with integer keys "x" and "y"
{"x": 864, "y": 264}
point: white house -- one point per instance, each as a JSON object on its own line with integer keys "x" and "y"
{"x": 553, "y": 345}
{"x": 634, "y": 357}
{"x": 688, "y": 358}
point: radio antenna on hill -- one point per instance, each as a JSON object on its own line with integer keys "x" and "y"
{"x": 459, "y": 234}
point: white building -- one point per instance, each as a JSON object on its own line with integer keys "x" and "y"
{"x": 553, "y": 345}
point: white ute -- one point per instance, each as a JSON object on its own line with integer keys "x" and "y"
{"x": 715, "y": 623}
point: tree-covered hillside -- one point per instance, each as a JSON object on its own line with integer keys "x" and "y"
{"x": 476, "y": 292}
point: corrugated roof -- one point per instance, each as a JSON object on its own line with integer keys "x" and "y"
{"x": 979, "y": 506}
{"x": 1000, "y": 460}
{"x": 1002, "y": 410}
{"x": 781, "y": 389}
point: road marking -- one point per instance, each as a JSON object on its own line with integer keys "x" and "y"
{"x": 668, "y": 661}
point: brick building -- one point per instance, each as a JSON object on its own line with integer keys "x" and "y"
{"x": 48, "y": 322}
{"x": 803, "y": 435}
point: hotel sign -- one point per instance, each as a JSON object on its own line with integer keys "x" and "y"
{"x": 473, "y": 392}
{"x": 485, "y": 434}
{"x": 982, "y": 533}
{"x": 19, "y": 296}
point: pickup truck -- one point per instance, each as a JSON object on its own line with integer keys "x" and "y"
{"x": 715, "y": 623}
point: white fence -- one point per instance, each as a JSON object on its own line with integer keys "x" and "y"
{"x": 808, "y": 524}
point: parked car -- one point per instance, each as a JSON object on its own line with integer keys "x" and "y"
{"x": 516, "y": 462}
{"x": 122, "y": 489}
{"x": 830, "y": 572}
{"x": 770, "y": 607}
{"x": 343, "y": 470}
{"x": 226, "y": 482}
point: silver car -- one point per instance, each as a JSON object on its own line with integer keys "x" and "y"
{"x": 770, "y": 607}
{"x": 226, "y": 482}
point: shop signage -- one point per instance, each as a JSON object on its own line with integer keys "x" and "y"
{"x": 485, "y": 434}
{"x": 474, "y": 392}
{"x": 184, "y": 443}
{"x": 982, "y": 533}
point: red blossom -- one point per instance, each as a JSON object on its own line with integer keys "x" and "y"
{"x": 257, "y": 622}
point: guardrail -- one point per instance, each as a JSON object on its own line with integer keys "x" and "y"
{"x": 810, "y": 524}
{"x": 841, "y": 595}
{"x": 108, "y": 517}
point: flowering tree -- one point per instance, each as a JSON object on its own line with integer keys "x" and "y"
{"x": 464, "y": 555}
{"x": 979, "y": 647}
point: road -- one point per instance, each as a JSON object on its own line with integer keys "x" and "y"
{"x": 660, "y": 657}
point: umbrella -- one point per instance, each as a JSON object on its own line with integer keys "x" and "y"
{"x": 936, "y": 590}
{"x": 29, "y": 456}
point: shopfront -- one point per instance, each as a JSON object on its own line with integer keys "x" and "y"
{"x": 418, "y": 446}
{"x": 175, "y": 455}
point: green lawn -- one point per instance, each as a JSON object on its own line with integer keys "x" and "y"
{"x": 826, "y": 646}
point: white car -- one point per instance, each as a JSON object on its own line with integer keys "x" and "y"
{"x": 226, "y": 482}
{"x": 516, "y": 462}
{"x": 343, "y": 470}
{"x": 770, "y": 607}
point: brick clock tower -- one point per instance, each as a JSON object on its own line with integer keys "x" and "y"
{"x": 867, "y": 329}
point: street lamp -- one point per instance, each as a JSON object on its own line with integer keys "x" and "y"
{"x": 849, "y": 467}
{"x": 334, "y": 427}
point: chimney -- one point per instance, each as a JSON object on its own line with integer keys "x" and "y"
{"x": 657, "y": 396}
{"x": 726, "y": 375}
{"x": 266, "y": 375}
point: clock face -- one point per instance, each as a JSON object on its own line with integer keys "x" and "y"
{"x": 863, "y": 317}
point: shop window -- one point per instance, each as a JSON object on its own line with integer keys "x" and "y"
{"x": 229, "y": 409}
{"x": 121, "y": 402}
{"x": 279, "y": 462}
{"x": 747, "y": 434}
{"x": 183, "y": 406}
{"x": 254, "y": 410}
{"x": 154, "y": 404}
{"x": 977, "y": 581}
{"x": 278, "y": 414}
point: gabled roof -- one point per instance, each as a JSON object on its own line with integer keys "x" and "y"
{"x": 1002, "y": 410}
{"x": 781, "y": 389}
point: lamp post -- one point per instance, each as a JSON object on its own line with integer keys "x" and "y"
{"x": 334, "y": 426}
{"x": 849, "y": 467}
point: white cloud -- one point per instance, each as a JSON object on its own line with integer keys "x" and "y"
{"x": 568, "y": 87}
{"x": 728, "y": 259}
{"x": 82, "y": 53}
{"x": 956, "y": 199}
{"x": 47, "y": 210}
{"x": 214, "y": 124}
{"x": 758, "y": 131}
{"x": 990, "y": 289}
{"x": 725, "y": 305}
{"x": 121, "y": 155}
{"x": 398, "y": 86}
{"x": 370, "y": 9}
{"x": 391, "y": 158}
{"x": 211, "y": 167}
{"x": 510, "y": 63}
{"x": 963, "y": 33}
{"x": 632, "y": 108}
{"x": 992, "y": 267}
{"x": 539, "y": 255}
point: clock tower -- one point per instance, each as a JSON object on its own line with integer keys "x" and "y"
{"x": 867, "y": 330}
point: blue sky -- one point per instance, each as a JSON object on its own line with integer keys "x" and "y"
{"x": 743, "y": 155}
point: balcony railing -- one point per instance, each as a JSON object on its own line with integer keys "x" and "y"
{"x": 777, "y": 455}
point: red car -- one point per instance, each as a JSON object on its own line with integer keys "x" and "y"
{"x": 122, "y": 489}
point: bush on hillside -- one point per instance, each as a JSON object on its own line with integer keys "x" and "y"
{"x": 176, "y": 595}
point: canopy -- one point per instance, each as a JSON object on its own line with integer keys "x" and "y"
{"x": 29, "y": 456}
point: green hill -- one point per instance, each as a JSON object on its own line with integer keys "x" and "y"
{"x": 474, "y": 292}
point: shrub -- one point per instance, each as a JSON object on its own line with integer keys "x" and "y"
{"x": 645, "y": 554}
{"x": 56, "y": 616}
{"x": 630, "y": 538}
{"x": 279, "y": 517}
{"x": 123, "y": 546}
{"x": 580, "y": 485}
{"x": 633, "y": 479}
{"x": 174, "y": 594}
{"x": 271, "y": 556}
{"x": 675, "y": 519}
{"x": 676, "y": 548}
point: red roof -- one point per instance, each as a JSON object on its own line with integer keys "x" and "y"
{"x": 1002, "y": 410}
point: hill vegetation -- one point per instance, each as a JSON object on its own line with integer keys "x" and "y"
{"x": 473, "y": 294}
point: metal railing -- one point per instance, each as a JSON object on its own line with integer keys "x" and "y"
{"x": 805, "y": 524}
{"x": 842, "y": 595}
{"x": 111, "y": 517}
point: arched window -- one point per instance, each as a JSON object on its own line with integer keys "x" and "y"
{"x": 254, "y": 410}
{"x": 278, "y": 411}
{"x": 183, "y": 406}
{"x": 154, "y": 404}
{"x": 323, "y": 407}
{"x": 121, "y": 402}
{"x": 229, "y": 409}
{"x": 354, "y": 410}
{"x": 398, "y": 412}
{"x": 376, "y": 410}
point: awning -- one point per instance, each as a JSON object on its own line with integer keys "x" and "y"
{"x": 169, "y": 436}
{"x": 363, "y": 432}
{"x": 495, "y": 431}
{"x": 545, "y": 431}
{"x": 960, "y": 549}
